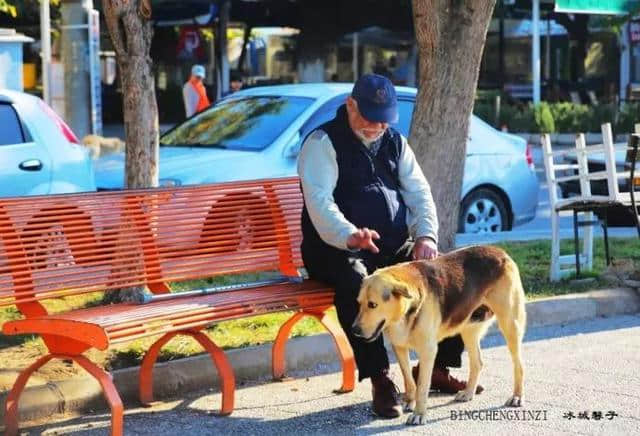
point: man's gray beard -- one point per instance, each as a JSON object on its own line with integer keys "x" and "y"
{"x": 366, "y": 141}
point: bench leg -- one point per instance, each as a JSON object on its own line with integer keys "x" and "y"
{"x": 11, "y": 406}
{"x": 225, "y": 372}
{"x": 109, "y": 390}
{"x": 103, "y": 377}
{"x": 278, "y": 351}
{"x": 342, "y": 344}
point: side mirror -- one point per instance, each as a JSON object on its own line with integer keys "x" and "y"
{"x": 292, "y": 149}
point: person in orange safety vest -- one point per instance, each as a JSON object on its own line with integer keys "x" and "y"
{"x": 194, "y": 92}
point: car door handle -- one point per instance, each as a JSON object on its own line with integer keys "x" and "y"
{"x": 31, "y": 165}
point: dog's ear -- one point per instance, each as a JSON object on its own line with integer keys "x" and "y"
{"x": 400, "y": 290}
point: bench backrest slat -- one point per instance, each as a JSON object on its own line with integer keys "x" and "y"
{"x": 62, "y": 245}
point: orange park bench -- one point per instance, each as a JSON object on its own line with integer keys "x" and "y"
{"x": 63, "y": 245}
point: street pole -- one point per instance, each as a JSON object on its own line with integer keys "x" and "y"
{"x": 547, "y": 52}
{"x": 354, "y": 61}
{"x": 535, "y": 49}
{"x": 501, "y": 78}
{"x": 75, "y": 60}
{"x": 45, "y": 47}
{"x": 221, "y": 43}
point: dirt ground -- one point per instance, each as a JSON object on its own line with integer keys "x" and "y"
{"x": 16, "y": 358}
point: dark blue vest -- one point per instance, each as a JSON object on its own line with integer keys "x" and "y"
{"x": 368, "y": 187}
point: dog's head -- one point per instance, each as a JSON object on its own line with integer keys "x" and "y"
{"x": 383, "y": 301}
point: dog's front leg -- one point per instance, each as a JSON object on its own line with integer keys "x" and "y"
{"x": 426, "y": 357}
{"x": 402, "y": 354}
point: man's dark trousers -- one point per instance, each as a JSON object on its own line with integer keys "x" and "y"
{"x": 344, "y": 270}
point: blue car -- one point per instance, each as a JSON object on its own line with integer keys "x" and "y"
{"x": 257, "y": 133}
{"x": 39, "y": 154}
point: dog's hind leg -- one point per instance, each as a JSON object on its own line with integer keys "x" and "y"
{"x": 471, "y": 337}
{"x": 512, "y": 325}
{"x": 402, "y": 354}
{"x": 506, "y": 301}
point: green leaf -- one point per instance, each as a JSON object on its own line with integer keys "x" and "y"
{"x": 8, "y": 8}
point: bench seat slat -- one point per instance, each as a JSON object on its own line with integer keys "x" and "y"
{"x": 100, "y": 326}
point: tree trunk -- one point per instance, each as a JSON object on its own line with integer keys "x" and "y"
{"x": 450, "y": 36}
{"x": 131, "y": 32}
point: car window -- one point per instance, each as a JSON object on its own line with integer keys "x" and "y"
{"x": 405, "y": 112}
{"x": 11, "y": 132}
{"x": 250, "y": 123}
{"x": 325, "y": 113}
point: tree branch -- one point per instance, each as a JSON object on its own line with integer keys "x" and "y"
{"x": 114, "y": 10}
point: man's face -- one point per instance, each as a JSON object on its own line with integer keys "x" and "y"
{"x": 196, "y": 78}
{"x": 367, "y": 131}
{"x": 235, "y": 85}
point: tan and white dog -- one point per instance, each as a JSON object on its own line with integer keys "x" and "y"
{"x": 418, "y": 304}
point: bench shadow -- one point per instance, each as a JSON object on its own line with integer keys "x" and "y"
{"x": 349, "y": 419}
{"x": 356, "y": 418}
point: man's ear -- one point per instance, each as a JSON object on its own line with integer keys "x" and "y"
{"x": 350, "y": 101}
{"x": 400, "y": 290}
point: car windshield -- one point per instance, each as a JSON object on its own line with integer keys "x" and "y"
{"x": 250, "y": 123}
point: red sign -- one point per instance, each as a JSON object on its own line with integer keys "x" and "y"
{"x": 191, "y": 44}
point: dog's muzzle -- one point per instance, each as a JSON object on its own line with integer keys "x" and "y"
{"x": 357, "y": 331}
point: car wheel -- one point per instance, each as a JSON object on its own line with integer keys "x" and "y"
{"x": 483, "y": 211}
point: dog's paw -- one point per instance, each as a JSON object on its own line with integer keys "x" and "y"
{"x": 514, "y": 401}
{"x": 409, "y": 405}
{"x": 464, "y": 396}
{"x": 416, "y": 419}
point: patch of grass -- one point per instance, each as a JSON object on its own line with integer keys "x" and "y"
{"x": 237, "y": 333}
{"x": 533, "y": 258}
{"x": 53, "y": 305}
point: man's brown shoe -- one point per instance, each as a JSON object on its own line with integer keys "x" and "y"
{"x": 386, "y": 396}
{"x": 444, "y": 382}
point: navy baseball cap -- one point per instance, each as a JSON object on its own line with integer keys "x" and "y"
{"x": 376, "y": 98}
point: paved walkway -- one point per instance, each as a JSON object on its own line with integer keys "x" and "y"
{"x": 589, "y": 366}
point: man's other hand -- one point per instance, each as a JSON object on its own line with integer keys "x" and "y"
{"x": 363, "y": 240}
{"x": 425, "y": 248}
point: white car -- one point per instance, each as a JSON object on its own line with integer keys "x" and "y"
{"x": 39, "y": 154}
{"x": 258, "y": 132}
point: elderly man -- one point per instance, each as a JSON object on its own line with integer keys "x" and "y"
{"x": 368, "y": 205}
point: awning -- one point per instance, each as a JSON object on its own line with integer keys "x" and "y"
{"x": 609, "y": 7}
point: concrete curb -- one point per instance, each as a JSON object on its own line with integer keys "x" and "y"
{"x": 83, "y": 394}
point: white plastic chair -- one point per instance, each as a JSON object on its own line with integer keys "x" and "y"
{"x": 584, "y": 203}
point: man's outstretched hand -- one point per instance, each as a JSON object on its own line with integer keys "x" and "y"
{"x": 425, "y": 248}
{"x": 363, "y": 240}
